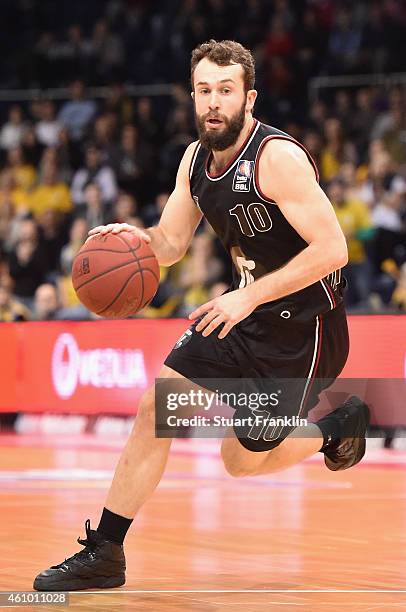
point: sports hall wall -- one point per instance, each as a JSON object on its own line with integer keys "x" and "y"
{"x": 104, "y": 367}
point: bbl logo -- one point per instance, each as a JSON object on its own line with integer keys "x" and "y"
{"x": 243, "y": 175}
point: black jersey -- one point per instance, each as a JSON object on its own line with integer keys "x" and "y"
{"x": 253, "y": 229}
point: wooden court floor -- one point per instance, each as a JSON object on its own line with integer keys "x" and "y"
{"x": 303, "y": 539}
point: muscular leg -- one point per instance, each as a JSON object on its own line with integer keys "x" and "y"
{"x": 239, "y": 461}
{"x": 143, "y": 459}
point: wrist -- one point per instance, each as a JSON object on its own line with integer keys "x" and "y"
{"x": 252, "y": 294}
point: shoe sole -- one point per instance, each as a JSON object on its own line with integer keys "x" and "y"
{"x": 80, "y": 584}
{"x": 359, "y": 442}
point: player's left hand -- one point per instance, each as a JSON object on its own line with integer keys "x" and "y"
{"x": 230, "y": 309}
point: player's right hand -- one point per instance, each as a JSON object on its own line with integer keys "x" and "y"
{"x": 116, "y": 228}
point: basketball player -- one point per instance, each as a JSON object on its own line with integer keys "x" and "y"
{"x": 283, "y": 315}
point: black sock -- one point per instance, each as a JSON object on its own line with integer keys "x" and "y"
{"x": 113, "y": 526}
{"x": 330, "y": 428}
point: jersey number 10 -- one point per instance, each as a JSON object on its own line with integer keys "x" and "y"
{"x": 255, "y": 217}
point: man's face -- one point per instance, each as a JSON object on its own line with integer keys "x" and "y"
{"x": 221, "y": 103}
{"x": 93, "y": 196}
{"x": 46, "y": 300}
{"x": 93, "y": 157}
{"x": 336, "y": 193}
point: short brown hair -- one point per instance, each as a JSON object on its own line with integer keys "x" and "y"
{"x": 225, "y": 53}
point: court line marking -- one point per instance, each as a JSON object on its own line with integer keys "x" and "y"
{"x": 237, "y": 591}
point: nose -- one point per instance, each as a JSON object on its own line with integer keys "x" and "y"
{"x": 214, "y": 101}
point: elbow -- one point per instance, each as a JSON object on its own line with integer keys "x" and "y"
{"x": 170, "y": 259}
{"x": 338, "y": 257}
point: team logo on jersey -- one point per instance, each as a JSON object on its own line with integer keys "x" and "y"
{"x": 243, "y": 175}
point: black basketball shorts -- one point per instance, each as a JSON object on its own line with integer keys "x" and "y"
{"x": 265, "y": 346}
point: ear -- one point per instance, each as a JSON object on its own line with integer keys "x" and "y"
{"x": 192, "y": 93}
{"x": 251, "y": 97}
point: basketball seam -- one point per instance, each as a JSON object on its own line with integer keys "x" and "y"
{"x": 141, "y": 304}
{"x": 139, "y": 271}
{"x": 129, "y": 245}
{"x": 151, "y": 298}
{"x": 157, "y": 278}
{"x": 127, "y": 263}
{"x": 103, "y": 249}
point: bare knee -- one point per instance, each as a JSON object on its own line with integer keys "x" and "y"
{"x": 235, "y": 460}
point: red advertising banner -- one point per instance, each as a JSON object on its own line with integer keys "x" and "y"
{"x": 91, "y": 367}
{"x": 105, "y": 366}
{"x": 377, "y": 347}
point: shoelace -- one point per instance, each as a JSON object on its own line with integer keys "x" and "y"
{"x": 86, "y": 553}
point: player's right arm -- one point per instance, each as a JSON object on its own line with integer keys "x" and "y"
{"x": 170, "y": 239}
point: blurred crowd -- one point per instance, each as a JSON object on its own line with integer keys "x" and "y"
{"x": 68, "y": 166}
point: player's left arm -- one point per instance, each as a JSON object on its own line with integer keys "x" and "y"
{"x": 286, "y": 177}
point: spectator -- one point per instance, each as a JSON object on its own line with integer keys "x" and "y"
{"x": 104, "y": 133}
{"x": 336, "y": 151}
{"x": 50, "y": 193}
{"x": 95, "y": 211}
{"x": 125, "y": 208}
{"x": 52, "y": 237}
{"x": 119, "y": 103}
{"x": 152, "y": 213}
{"x": 353, "y": 180}
{"x": 199, "y": 270}
{"x": 46, "y": 303}
{"x": 69, "y": 299}
{"x": 387, "y": 214}
{"x": 75, "y": 54}
{"x": 386, "y": 120}
{"x": 147, "y": 125}
{"x": 344, "y": 42}
{"x": 52, "y": 156}
{"x": 94, "y": 171}
{"x": 12, "y": 132}
{"x": 77, "y": 237}
{"x": 380, "y": 175}
{"x": 31, "y": 147}
{"x": 394, "y": 138}
{"x": 109, "y": 51}
{"x": 317, "y": 116}
{"x": 77, "y": 113}
{"x": 48, "y": 128}
{"x": 24, "y": 174}
{"x": 69, "y": 154}
{"x": 363, "y": 117}
{"x": 280, "y": 42}
{"x": 27, "y": 263}
{"x": 132, "y": 162}
{"x": 355, "y": 222}
{"x": 10, "y": 309}
{"x": 311, "y": 43}
{"x": 13, "y": 199}
{"x": 313, "y": 142}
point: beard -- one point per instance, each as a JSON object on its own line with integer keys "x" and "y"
{"x": 220, "y": 140}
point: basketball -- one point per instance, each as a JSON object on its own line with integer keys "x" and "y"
{"x": 115, "y": 275}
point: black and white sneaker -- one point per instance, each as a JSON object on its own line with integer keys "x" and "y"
{"x": 101, "y": 564}
{"x": 353, "y": 419}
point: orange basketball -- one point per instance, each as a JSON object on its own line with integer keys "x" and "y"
{"x": 115, "y": 275}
